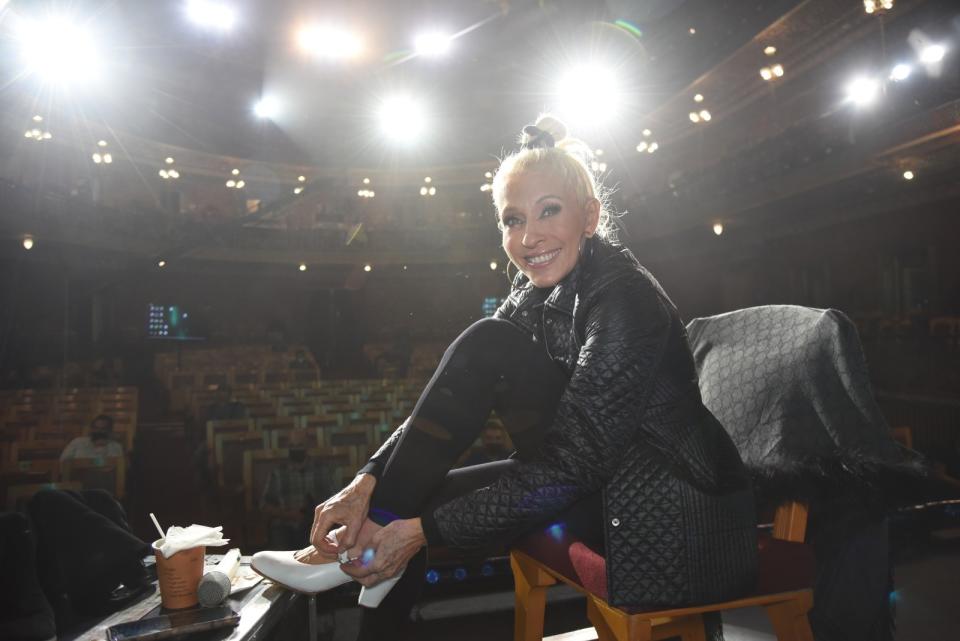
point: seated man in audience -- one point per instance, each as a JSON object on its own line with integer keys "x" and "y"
{"x": 494, "y": 445}
{"x": 291, "y": 493}
{"x": 97, "y": 444}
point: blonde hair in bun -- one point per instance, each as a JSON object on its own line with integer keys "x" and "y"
{"x": 566, "y": 157}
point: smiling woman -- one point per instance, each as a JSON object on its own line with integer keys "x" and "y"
{"x": 588, "y": 368}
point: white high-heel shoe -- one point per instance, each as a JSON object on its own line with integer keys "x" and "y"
{"x": 372, "y": 597}
{"x": 309, "y": 578}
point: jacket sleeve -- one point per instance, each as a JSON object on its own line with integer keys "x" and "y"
{"x": 626, "y": 331}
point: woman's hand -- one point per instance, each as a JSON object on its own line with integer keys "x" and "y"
{"x": 388, "y": 552}
{"x": 347, "y": 508}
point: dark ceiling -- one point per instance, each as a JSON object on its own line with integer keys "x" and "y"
{"x": 171, "y": 81}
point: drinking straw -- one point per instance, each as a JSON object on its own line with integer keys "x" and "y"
{"x": 157, "y": 524}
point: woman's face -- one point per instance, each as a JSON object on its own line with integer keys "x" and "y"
{"x": 543, "y": 225}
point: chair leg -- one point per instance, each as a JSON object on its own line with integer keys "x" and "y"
{"x": 614, "y": 625}
{"x": 789, "y": 619}
{"x": 530, "y": 596}
{"x": 688, "y": 628}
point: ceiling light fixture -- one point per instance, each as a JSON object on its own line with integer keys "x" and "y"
{"x": 330, "y": 42}
{"x": 932, "y": 54}
{"x": 28, "y": 242}
{"x": 402, "y": 119}
{"x": 59, "y": 49}
{"x": 877, "y": 6}
{"x": 589, "y": 108}
{"x": 432, "y": 43}
{"x": 219, "y": 16}
{"x": 900, "y": 72}
{"x": 862, "y": 91}
{"x": 267, "y": 107}
{"x": 770, "y": 50}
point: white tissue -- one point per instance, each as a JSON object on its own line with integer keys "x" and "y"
{"x": 180, "y": 538}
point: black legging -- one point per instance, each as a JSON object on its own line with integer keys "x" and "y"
{"x": 493, "y": 365}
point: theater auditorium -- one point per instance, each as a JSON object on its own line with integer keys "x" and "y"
{"x": 469, "y": 320}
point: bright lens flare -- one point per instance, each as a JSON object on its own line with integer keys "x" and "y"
{"x": 267, "y": 107}
{"x": 329, "y": 42}
{"x": 589, "y": 95}
{"x": 433, "y": 43}
{"x": 60, "y": 50}
{"x": 212, "y": 15}
{"x": 932, "y": 53}
{"x": 900, "y": 72}
{"x": 402, "y": 119}
{"x": 863, "y": 91}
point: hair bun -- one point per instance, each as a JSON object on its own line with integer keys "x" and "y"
{"x": 553, "y": 126}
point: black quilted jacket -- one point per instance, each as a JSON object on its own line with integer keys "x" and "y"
{"x": 680, "y": 523}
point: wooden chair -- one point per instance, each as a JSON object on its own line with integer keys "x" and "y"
{"x": 229, "y": 453}
{"x": 226, "y": 426}
{"x": 108, "y": 474}
{"x": 785, "y": 595}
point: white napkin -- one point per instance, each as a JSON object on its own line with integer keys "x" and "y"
{"x": 180, "y": 538}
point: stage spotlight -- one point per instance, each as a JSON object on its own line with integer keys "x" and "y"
{"x": 324, "y": 41}
{"x": 493, "y": 265}
{"x": 28, "y": 242}
{"x": 432, "y": 43}
{"x": 101, "y": 143}
{"x": 932, "y": 54}
{"x": 169, "y": 160}
{"x": 301, "y": 179}
{"x": 900, "y": 72}
{"x": 652, "y": 147}
{"x": 366, "y": 181}
{"x": 694, "y": 117}
{"x": 863, "y": 91}
{"x": 698, "y": 97}
{"x": 107, "y": 158}
{"x": 297, "y": 191}
{"x": 717, "y": 228}
{"x": 770, "y": 50}
{"x": 161, "y": 263}
{"x": 402, "y": 119}
{"x": 705, "y": 115}
{"x": 908, "y": 175}
{"x": 97, "y": 158}
{"x": 777, "y": 70}
{"x": 267, "y": 107}
{"x": 235, "y": 171}
{"x": 303, "y": 267}
{"x": 642, "y": 147}
{"x": 766, "y": 73}
{"x": 368, "y": 267}
{"x": 589, "y": 95}
{"x": 427, "y": 179}
{"x": 212, "y": 15}
{"x": 646, "y": 133}
{"x": 60, "y": 50}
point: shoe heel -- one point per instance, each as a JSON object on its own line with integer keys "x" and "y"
{"x": 372, "y": 597}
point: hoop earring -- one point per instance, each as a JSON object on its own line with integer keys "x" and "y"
{"x": 509, "y": 278}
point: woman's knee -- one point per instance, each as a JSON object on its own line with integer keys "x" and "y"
{"x": 487, "y": 340}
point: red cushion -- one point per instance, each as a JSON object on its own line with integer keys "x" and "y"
{"x": 783, "y": 566}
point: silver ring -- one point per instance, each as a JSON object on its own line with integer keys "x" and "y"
{"x": 343, "y": 556}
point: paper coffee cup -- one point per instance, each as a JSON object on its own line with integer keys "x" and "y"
{"x": 179, "y": 576}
